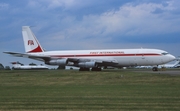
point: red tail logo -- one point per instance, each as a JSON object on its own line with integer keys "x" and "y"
{"x": 30, "y": 42}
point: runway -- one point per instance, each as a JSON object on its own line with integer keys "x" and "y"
{"x": 168, "y": 72}
{"x": 173, "y": 72}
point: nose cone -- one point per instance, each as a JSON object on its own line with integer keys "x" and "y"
{"x": 171, "y": 57}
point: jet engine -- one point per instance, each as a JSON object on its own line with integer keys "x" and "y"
{"x": 60, "y": 62}
{"x": 87, "y": 64}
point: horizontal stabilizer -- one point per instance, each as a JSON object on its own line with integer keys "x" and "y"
{"x": 37, "y": 57}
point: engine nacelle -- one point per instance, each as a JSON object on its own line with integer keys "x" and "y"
{"x": 87, "y": 64}
{"x": 60, "y": 62}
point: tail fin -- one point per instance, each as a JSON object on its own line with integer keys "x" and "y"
{"x": 31, "y": 43}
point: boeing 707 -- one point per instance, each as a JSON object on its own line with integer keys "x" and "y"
{"x": 92, "y": 59}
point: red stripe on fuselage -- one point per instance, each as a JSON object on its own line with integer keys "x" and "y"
{"x": 97, "y": 55}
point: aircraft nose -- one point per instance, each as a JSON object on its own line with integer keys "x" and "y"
{"x": 171, "y": 57}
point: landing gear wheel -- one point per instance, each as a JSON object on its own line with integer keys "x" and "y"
{"x": 155, "y": 69}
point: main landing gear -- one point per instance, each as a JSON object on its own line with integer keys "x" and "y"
{"x": 88, "y": 69}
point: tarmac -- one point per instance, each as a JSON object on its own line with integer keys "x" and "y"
{"x": 168, "y": 72}
{"x": 175, "y": 72}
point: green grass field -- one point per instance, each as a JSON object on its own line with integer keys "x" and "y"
{"x": 119, "y": 90}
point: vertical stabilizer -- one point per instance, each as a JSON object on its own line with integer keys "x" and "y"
{"x": 31, "y": 43}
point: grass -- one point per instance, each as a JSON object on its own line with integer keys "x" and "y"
{"x": 120, "y": 90}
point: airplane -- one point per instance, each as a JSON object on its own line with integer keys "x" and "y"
{"x": 20, "y": 66}
{"x": 91, "y": 59}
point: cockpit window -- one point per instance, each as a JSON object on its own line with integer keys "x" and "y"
{"x": 164, "y": 53}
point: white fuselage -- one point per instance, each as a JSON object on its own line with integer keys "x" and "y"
{"x": 124, "y": 57}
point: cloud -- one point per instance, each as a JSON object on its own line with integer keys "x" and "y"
{"x": 61, "y": 3}
{"x": 129, "y": 20}
{"x": 4, "y": 6}
{"x": 51, "y": 4}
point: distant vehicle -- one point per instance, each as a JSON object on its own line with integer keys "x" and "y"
{"x": 92, "y": 59}
{"x": 20, "y": 66}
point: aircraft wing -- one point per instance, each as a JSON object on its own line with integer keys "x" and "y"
{"x": 99, "y": 62}
{"x": 37, "y": 57}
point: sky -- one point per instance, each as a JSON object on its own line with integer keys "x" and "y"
{"x": 89, "y": 24}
